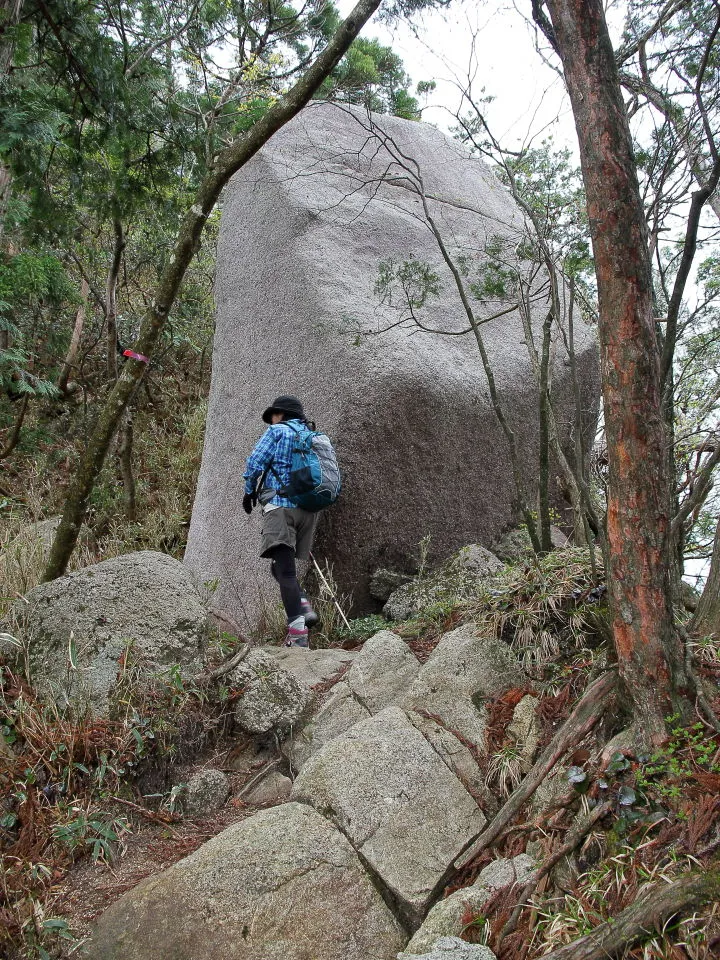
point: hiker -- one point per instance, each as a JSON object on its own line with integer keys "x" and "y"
{"x": 287, "y": 530}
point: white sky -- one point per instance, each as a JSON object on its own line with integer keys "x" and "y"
{"x": 492, "y": 43}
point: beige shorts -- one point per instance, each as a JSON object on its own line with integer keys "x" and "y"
{"x": 290, "y": 526}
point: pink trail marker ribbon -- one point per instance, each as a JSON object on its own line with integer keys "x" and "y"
{"x": 136, "y": 356}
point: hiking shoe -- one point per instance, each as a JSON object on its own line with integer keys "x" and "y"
{"x": 296, "y": 637}
{"x": 311, "y": 618}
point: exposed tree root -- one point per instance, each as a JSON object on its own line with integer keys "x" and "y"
{"x": 702, "y": 704}
{"x": 254, "y": 781}
{"x": 649, "y": 912}
{"x": 154, "y": 815}
{"x": 582, "y": 719}
{"x": 575, "y": 836}
{"x": 224, "y": 668}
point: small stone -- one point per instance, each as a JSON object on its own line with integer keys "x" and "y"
{"x": 454, "y": 580}
{"x": 207, "y": 792}
{"x": 274, "y": 788}
{"x": 452, "y": 948}
{"x": 503, "y": 871}
{"x": 515, "y": 545}
{"x": 476, "y": 560}
{"x": 383, "y": 582}
{"x": 524, "y": 728}
{"x": 271, "y": 698}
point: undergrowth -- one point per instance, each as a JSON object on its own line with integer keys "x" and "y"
{"x": 71, "y": 786}
{"x": 168, "y": 443}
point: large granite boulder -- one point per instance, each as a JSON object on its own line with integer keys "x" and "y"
{"x": 396, "y": 801}
{"x": 281, "y": 885}
{"x": 141, "y": 609}
{"x": 306, "y": 226}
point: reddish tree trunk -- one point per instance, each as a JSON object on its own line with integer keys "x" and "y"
{"x": 650, "y": 654}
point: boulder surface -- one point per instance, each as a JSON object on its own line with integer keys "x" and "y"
{"x": 271, "y": 698}
{"x": 463, "y": 671}
{"x": 79, "y": 626}
{"x": 452, "y": 948}
{"x": 399, "y": 805}
{"x": 457, "y": 579}
{"x": 385, "y": 668}
{"x": 282, "y": 885}
{"x": 308, "y": 226}
{"x": 448, "y": 917}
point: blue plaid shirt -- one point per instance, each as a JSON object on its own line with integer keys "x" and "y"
{"x": 274, "y": 447}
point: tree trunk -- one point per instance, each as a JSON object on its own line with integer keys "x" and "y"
{"x": 707, "y": 616}
{"x": 228, "y": 162}
{"x": 125, "y": 454}
{"x": 111, "y": 301}
{"x": 652, "y": 909}
{"x": 72, "y": 353}
{"x": 544, "y": 434}
{"x": 14, "y": 436}
{"x": 650, "y": 653}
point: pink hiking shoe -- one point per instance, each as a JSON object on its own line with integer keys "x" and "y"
{"x": 297, "y": 637}
{"x": 311, "y": 618}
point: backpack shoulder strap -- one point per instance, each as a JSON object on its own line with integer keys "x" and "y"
{"x": 270, "y": 468}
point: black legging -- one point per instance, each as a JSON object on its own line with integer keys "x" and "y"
{"x": 284, "y": 571}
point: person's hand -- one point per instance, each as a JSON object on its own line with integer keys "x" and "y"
{"x": 248, "y": 503}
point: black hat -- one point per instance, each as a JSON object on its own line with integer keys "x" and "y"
{"x": 288, "y": 404}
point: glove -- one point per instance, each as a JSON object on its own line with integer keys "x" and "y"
{"x": 248, "y": 503}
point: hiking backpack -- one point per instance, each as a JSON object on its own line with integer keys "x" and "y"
{"x": 314, "y": 472}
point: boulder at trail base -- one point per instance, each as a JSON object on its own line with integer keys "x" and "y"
{"x": 281, "y": 885}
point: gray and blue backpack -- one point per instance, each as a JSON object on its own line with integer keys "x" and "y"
{"x": 314, "y": 472}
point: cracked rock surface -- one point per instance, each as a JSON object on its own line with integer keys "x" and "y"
{"x": 282, "y": 885}
{"x": 399, "y": 805}
{"x": 462, "y": 671}
{"x": 336, "y": 716}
